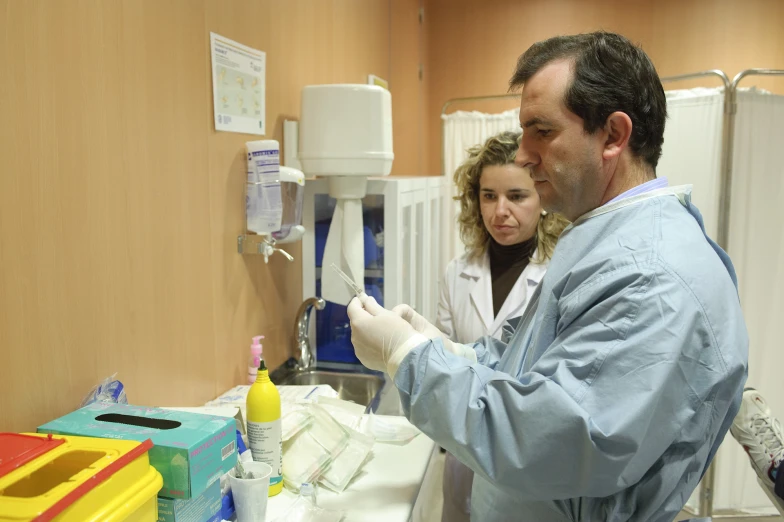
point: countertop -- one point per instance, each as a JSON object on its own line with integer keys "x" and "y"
{"x": 385, "y": 490}
{"x": 389, "y": 483}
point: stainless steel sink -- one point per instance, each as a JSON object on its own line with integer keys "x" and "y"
{"x": 356, "y": 387}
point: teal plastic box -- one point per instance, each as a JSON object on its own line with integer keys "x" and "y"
{"x": 191, "y": 451}
{"x": 204, "y": 508}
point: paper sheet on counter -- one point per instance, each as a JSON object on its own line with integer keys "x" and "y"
{"x": 294, "y": 393}
{"x": 238, "y": 395}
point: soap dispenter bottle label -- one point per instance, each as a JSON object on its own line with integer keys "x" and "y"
{"x": 265, "y": 446}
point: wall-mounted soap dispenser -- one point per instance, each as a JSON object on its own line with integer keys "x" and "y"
{"x": 273, "y": 202}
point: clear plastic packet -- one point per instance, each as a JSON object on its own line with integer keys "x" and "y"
{"x": 328, "y": 432}
{"x": 302, "y": 510}
{"x": 346, "y": 465}
{"x": 398, "y": 431}
{"x": 109, "y": 390}
{"x": 347, "y": 413}
{"x": 309, "y": 453}
{"x": 304, "y": 460}
{"x": 296, "y": 418}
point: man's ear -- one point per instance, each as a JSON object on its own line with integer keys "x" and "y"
{"x": 619, "y": 129}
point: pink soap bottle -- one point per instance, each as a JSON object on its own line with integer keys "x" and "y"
{"x": 255, "y": 358}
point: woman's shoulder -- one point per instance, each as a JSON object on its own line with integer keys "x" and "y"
{"x": 467, "y": 259}
{"x": 536, "y": 260}
{"x": 536, "y": 268}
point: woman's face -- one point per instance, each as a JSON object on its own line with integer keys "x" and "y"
{"x": 509, "y": 203}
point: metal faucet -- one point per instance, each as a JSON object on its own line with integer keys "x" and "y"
{"x": 301, "y": 339}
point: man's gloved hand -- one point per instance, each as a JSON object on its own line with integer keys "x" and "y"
{"x": 419, "y": 323}
{"x": 380, "y": 337}
{"x": 423, "y": 326}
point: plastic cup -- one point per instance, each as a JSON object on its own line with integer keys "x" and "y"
{"x": 250, "y": 495}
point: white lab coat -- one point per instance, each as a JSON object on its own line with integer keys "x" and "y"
{"x": 465, "y": 309}
{"x": 465, "y": 314}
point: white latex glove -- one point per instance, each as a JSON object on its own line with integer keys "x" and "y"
{"x": 380, "y": 337}
{"x": 423, "y": 326}
{"x": 419, "y": 323}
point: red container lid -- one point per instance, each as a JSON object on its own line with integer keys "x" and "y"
{"x": 17, "y": 450}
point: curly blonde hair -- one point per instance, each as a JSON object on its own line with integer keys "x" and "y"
{"x": 498, "y": 150}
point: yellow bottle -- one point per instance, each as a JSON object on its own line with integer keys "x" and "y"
{"x": 264, "y": 435}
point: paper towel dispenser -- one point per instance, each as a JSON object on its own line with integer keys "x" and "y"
{"x": 346, "y": 130}
{"x": 346, "y": 135}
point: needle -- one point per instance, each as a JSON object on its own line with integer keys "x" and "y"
{"x": 350, "y": 282}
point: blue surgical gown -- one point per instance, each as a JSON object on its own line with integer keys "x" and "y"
{"x": 617, "y": 387}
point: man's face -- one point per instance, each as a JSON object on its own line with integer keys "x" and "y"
{"x": 565, "y": 162}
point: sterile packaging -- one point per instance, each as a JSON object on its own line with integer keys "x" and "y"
{"x": 238, "y": 396}
{"x": 346, "y": 465}
{"x": 308, "y": 454}
{"x": 296, "y": 418}
{"x": 390, "y": 432}
{"x": 347, "y": 413}
{"x": 304, "y": 460}
{"x": 329, "y": 433}
{"x": 305, "y": 393}
{"x": 302, "y": 510}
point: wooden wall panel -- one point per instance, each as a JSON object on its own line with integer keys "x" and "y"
{"x": 718, "y": 34}
{"x": 120, "y": 205}
{"x": 472, "y": 45}
{"x": 407, "y": 88}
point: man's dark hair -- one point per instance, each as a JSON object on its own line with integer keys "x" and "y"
{"x": 610, "y": 74}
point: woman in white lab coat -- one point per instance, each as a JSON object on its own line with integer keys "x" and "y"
{"x": 509, "y": 240}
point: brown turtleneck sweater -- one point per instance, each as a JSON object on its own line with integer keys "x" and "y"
{"x": 506, "y": 265}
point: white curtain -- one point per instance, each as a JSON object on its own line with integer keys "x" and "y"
{"x": 692, "y": 148}
{"x": 756, "y": 245}
{"x": 463, "y": 130}
{"x": 691, "y": 154}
